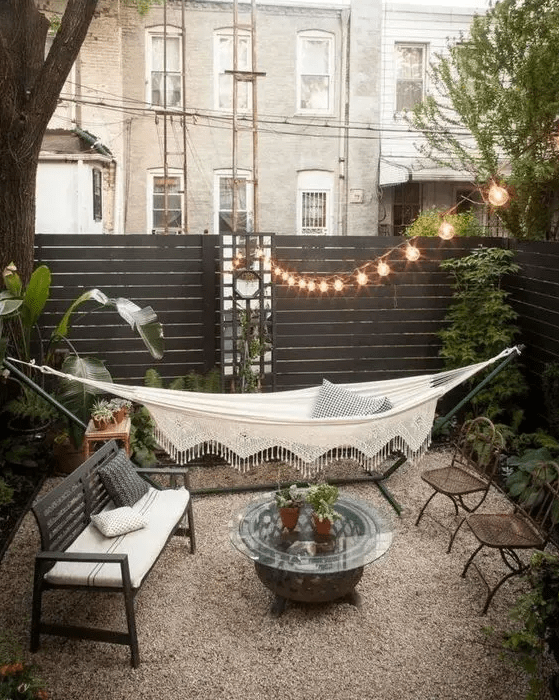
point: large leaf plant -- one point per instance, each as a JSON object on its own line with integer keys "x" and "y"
{"x": 20, "y": 309}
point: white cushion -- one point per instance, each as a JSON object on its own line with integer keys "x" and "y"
{"x": 118, "y": 521}
{"x": 335, "y": 401}
{"x": 161, "y": 509}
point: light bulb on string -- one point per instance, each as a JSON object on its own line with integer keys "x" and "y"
{"x": 278, "y": 271}
{"x": 285, "y": 275}
{"x": 383, "y": 269}
{"x": 338, "y": 284}
{"x": 497, "y": 195}
{"x": 323, "y": 286}
{"x": 291, "y": 280}
{"x": 446, "y": 230}
{"x": 412, "y": 253}
{"x": 311, "y": 285}
{"x": 362, "y": 278}
{"x": 302, "y": 283}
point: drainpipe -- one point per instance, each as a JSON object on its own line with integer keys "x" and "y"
{"x": 93, "y": 141}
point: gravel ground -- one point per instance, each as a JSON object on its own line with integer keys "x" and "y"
{"x": 205, "y": 631}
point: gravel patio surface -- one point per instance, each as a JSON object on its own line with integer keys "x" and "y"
{"x": 205, "y": 631}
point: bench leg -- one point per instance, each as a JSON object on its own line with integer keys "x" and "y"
{"x": 191, "y": 532}
{"x": 36, "y": 607}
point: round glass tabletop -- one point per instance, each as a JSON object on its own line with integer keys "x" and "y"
{"x": 358, "y": 538}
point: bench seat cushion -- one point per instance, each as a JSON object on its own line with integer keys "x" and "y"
{"x": 161, "y": 509}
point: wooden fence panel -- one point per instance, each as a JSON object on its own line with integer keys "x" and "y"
{"x": 175, "y": 275}
{"x": 387, "y": 329}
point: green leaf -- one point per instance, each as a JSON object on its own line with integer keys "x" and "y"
{"x": 78, "y": 397}
{"x": 35, "y": 295}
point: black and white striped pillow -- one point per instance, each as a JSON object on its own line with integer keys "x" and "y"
{"x": 335, "y": 401}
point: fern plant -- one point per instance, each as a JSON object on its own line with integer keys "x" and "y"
{"x": 481, "y": 323}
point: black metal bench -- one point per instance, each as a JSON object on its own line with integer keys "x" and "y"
{"x": 76, "y": 556}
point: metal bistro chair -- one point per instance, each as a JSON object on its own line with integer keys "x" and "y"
{"x": 522, "y": 529}
{"x": 474, "y": 463}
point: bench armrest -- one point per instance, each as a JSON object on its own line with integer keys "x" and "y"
{"x": 171, "y": 472}
{"x": 42, "y": 559}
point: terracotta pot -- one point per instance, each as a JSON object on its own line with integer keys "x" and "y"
{"x": 289, "y": 517}
{"x": 321, "y": 527}
{"x": 119, "y": 415}
{"x": 100, "y": 424}
{"x": 66, "y": 457}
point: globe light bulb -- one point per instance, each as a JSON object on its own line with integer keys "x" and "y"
{"x": 278, "y": 271}
{"x": 291, "y": 281}
{"x": 412, "y": 253}
{"x": 323, "y": 286}
{"x": 446, "y": 230}
{"x": 383, "y": 269}
{"x": 302, "y": 283}
{"x": 338, "y": 285}
{"x": 497, "y": 196}
{"x": 362, "y": 278}
{"x": 285, "y": 276}
{"x": 311, "y": 286}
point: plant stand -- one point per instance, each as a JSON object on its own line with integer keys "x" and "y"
{"x": 115, "y": 431}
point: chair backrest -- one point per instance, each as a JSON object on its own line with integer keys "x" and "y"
{"x": 540, "y": 504}
{"x": 478, "y": 448}
{"x": 66, "y": 510}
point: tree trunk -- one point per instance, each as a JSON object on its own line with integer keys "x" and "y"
{"x": 29, "y": 90}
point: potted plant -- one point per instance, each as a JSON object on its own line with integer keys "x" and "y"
{"x": 322, "y": 498}
{"x": 289, "y": 501}
{"x": 538, "y": 612}
{"x": 101, "y": 414}
{"x": 29, "y": 413}
{"x": 120, "y": 408}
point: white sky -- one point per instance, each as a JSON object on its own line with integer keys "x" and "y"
{"x": 447, "y": 3}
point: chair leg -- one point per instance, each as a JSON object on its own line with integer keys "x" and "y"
{"x": 470, "y": 560}
{"x": 454, "y": 535}
{"x": 495, "y": 589}
{"x": 425, "y": 506}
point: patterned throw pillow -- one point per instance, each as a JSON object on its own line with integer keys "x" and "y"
{"x": 119, "y": 521}
{"x": 335, "y": 402}
{"x": 124, "y": 485}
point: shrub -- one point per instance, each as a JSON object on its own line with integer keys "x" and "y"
{"x": 428, "y": 222}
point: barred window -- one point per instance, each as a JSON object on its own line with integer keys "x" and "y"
{"x": 314, "y": 212}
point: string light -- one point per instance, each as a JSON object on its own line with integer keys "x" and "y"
{"x": 412, "y": 253}
{"x": 338, "y": 284}
{"x": 323, "y": 286}
{"x": 497, "y": 195}
{"x": 311, "y": 286}
{"x": 383, "y": 269}
{"x": 362, "y": 279}
{"x": 302, "y": 283}
{"x": 446, "y": 230}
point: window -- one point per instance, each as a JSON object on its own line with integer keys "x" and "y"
{"x": 165, "y": 75}
{"x": 166, "y": 203}
{"x": 223, "y": 61}
{"x": 410, "y": 75}
{"x": 314, "y": 202}
{"x": 315, "y": 79}
{"x": 97, "y": 178}
{"x": 224, "y": 202}
{"x": 406, "y": 207}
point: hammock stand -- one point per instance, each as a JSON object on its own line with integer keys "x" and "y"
{"x": 168, "y": 407}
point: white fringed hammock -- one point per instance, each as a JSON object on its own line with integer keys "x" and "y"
{"x": 246, "y": 428}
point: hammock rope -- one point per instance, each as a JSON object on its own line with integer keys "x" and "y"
{"x": 245, "y": 429}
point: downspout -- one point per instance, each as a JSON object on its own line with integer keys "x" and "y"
{"x": 343, "y": 165}
{"x": 93, "y": 141}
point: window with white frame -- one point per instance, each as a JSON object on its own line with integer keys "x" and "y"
{"x": 410, "y": 75}
{"x": 315, "y": 79}
{"x": 314, "y": 203}
{"x": 166, "y": 202}
{"x": 164, "y": 68}
{"x": 225, "y": 191}
{"x": 224, "y": 61}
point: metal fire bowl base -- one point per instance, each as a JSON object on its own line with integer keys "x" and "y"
{"x": 309, "y": 588}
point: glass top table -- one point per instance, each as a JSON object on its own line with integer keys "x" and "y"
{"x": 301, "y": 565}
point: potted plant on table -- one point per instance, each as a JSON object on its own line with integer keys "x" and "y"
{"x": 322, "y": 498}
{"x": 102, "y": 414}
{"x": 289, "y": 501}
{"x": 120, "y": 408}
